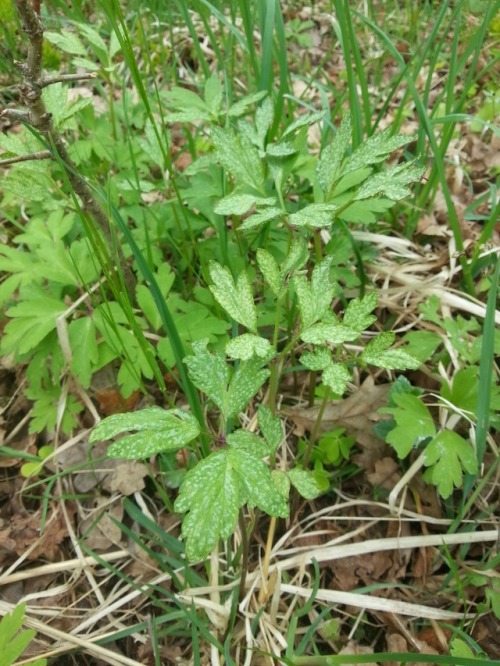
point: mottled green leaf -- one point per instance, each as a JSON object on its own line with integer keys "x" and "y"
{"x": 357, "y": 316}
{"x": 245, "y": 383}
{"x": 377, "y": 353}
{"x": 210, "y": 495}
{"x": 239, "y": 157}
{"x": 235, "y": 298}
{"x": 244, "y": 440}
{"x": 247, "y": 346}
{"x": 271, "y": 427}
{"x": 257, "y": 484}
{"x": 314, "y": 297}
{"x": 314, "y": 215}
{"x": 316, "y": 360}
{"x": 239, "y": 204}
{"x": 375, "y": 149}
{"x": 306, "y": 119}
{"x": 270, "y": 270}
{"x": 333, "y": 334}
{"x": 392, "y": 183}
{"x": 328, "y": 166}
{"x": 263, "y": 216}
{"x": 157, "y": 430}
{"x": 336, "y": 376}
{"x": 304, "y": 482}
{"x": 209, "y": 373}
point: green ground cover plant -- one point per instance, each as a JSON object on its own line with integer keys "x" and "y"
{"x": 213, "y": 221}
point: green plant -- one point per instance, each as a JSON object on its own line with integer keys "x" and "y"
{"x": 13, "y": 641}
{"x": 235, "y": 474}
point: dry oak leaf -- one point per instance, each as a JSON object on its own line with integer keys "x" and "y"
{"x": 26, "y": 532}
{"x": 98, "y": 530}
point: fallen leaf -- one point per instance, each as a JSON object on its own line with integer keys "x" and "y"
{"x": 98, "y": 530}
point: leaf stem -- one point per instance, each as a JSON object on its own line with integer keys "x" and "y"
{"x": 315, "y": 430}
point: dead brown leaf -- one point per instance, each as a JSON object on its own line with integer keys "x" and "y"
{"x": 98, "y": 530}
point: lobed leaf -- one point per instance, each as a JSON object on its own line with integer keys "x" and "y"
{"x": 239, "y": 157}
{"x": 263, "y": 216}
{"x": 210, "y": 374}
{"x": 331, "y": 158}
{"x": 447, "y": 455}
{"x": 270, "y": 270}
{"x": 393, "y": 183}
{"x": 157, "y": 429}
{"x": 245, "y": 383}
{"x": 271, "y": 427}
{"x": 239, "y": 204}
{"x": 304, "y": 481}
{"x": 414, "y": 423}
{"x": 235, "y": 298}
{"x": 377, "y": 353}
{"x": 247, "y": 346}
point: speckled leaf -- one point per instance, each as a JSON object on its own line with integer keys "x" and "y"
{"x": 336, "y": 377}
{"x": 244, "y": 440}
{"x": 157, "y": 430}
{"x": 316, "y": 360}
{"x": 241, "y": 107}
{"x": 245, "y": 383}
{"x": 357, "y": 316}
{"x": 377, "y": 353}
{"x": 314, "y": 297}
{"x": 270, "y": 270}
{"x": 210, "y": 494}
{"x": 214, "y": 94}
{"x": 375, "y": 150}
{"x": 334, "y": 334}
{"x": 297, "y": 256}
{"x": 304, "y": 482}
{"x": 280, "y": 150}
{"x": 260, "y": 218}
{"x": 239, "y": 157}
{"x": 302, "y": 121}
{"x": 281, "y": 482}
{"x": 393, "y": 183}
{"x": 218, "y": 486}
{"x": 255, "y": 479}
{"x": 236, "y": 299}
{"x": 239, "y": 204}
{"x": 271, "y": 427}
{"x": 314, "y": 215}
{"x": 247, "y": 346}
{"x": 209, "y": 373}
{"x": 264, "y": 117}
{"x": 328, "y": 167}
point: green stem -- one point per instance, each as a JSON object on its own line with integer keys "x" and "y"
{"x": 315, "y": 430}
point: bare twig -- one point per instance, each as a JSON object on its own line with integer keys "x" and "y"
{"x": 42, "y": 155}
{"x": 39, "y": 118}
{"x": 65, "y": 78}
